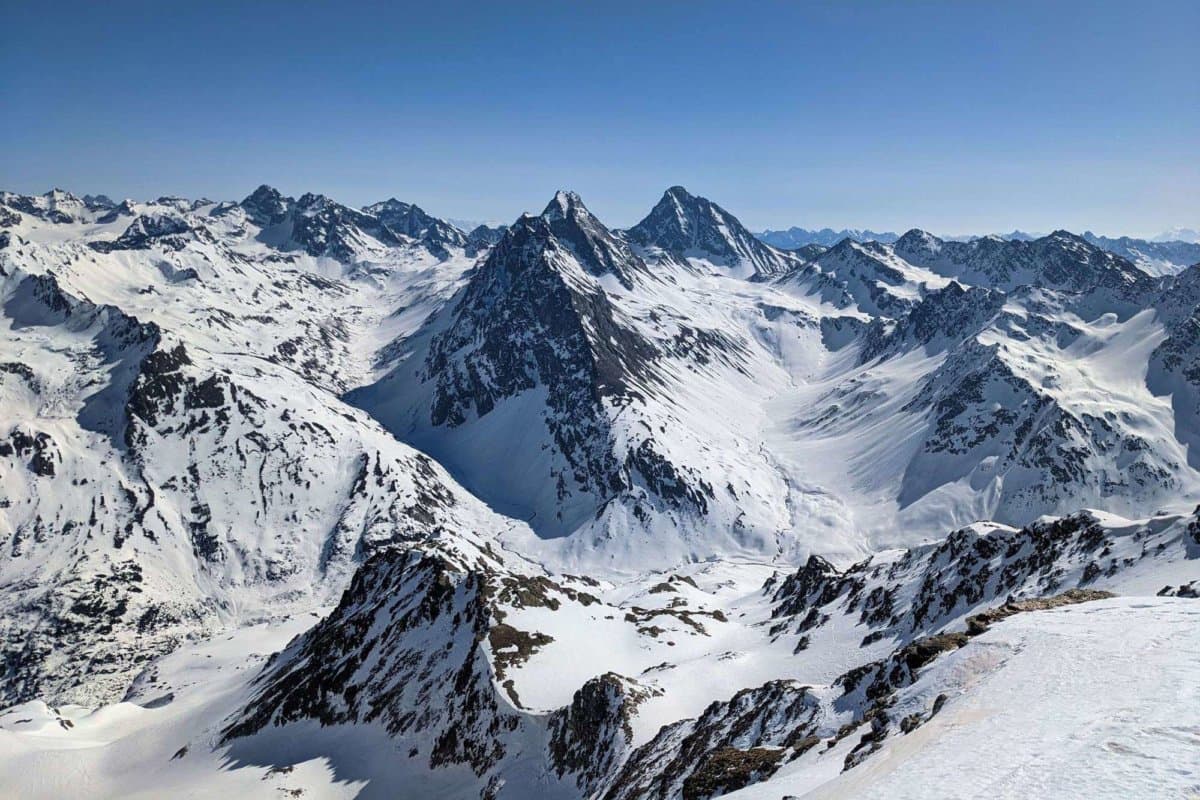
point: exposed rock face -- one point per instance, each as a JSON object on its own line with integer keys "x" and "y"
{"x": 482, "y": 237}
{"x": 1175, "y": 362}
{"x": 734, "y": 743}
{"x": 527, "y": 320}
{"x": 164, "y": 230}
{"x": 325, "y": 228}
{"x": 368, "y": 662}
{"x": 592, "y": 737}
{"x": 1061, "y": 261}
{"x": 541, "y": 334}
{"x": 863, "y": 275}
{"x": 409, "y": 220}
{"x": 322, "y": 227}
{"x": 986, "y": 420}
{"x": 536, "y": 329}
{"x": 533, "y": 321}
{"x": 926, "y": 588}
{"x": 944, "y": 319}
{"x": 266, "y": 207}
{"x": 595, "y": 247}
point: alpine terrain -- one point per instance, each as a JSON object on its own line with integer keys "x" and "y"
{"x": 299, "y": 499}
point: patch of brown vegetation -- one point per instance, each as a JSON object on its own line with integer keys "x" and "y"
{"x": 504, "y": 637}
{"x": 979, "y": 623}
{"x": 728, "y": 769}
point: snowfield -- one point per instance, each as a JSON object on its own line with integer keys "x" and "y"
{"x": 1099, "y": 700}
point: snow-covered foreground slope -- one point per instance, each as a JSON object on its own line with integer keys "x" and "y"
{"x": 1098, "y": 700}
{"x": 462, "y": 672}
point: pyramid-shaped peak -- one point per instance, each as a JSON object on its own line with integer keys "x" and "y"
{"x": 391, "y": 202}
{"x": 917, "y": 235}
{"x": 565, "y": 204}
{"x": 686, "y": 225}
{"x": 598, "y": 250}
{"x": 918, "y": 246}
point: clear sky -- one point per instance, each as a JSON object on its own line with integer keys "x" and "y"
{"x": 956, "y": 117}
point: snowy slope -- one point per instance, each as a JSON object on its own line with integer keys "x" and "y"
{"x": 170, "y": 478}
{"x": 459, "y": 670}
{"x": 1058, "y": 700}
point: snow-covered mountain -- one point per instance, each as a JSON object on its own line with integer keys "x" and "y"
{"x": 1159, "y": 256}
{"x": 690, "y": 227}
{"x": 1165, "y": 254}
{"x": 666, "y": 512}
{"x": 462, "y": 671}
{"x": 1190, "y": 235}
{"x": 176, "y": 456}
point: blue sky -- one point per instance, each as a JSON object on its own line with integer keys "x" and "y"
{"x": 955, "y": 117}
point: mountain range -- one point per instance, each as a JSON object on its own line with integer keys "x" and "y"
{"x": 1167, "y": 253}
{"x": 343, "y": 501}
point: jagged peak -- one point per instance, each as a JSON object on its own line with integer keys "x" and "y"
{"x": 681, "y": 222}
{"x": 409, "y": 219}
{"x": 60, "y": 195}
{"x": 311, "y": 200}
{"x": 98, "y": 201}
{"x": 675, "y": 199}
{"x": 528, "y": 232}
{"x": 264, "y": 192}
{"x": 687, "y": 204}
{"x": 598, "y": 250}
{"x": 266, "y": 206}
{"x": 390, "y": 203}
{"x": 565, "y": 204}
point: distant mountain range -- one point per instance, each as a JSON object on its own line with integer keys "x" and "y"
{"x": 1165, "y": 254}
{"x": 794, "y": 238}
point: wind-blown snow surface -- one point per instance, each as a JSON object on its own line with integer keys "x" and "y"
{"x": 565, "y": 475}
{"x": 1099, "y": 701}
